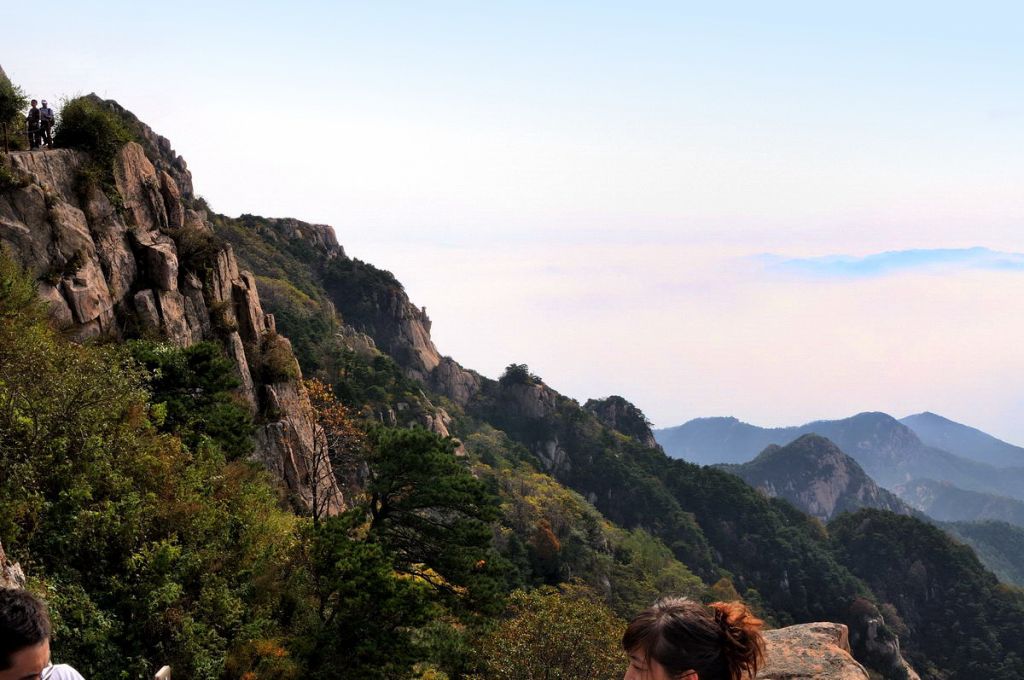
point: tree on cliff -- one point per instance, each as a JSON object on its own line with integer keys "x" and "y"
{"x": 554, "y": 633}
{"x": 426, "y": 507}
{"x": 12, "y": 101}
{"x": 338, "y": 452}
{"x": 365, "y": 613}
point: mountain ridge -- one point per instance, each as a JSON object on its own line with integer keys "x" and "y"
{"x": 889, "y": 451}
{"x": 964, "y": 440}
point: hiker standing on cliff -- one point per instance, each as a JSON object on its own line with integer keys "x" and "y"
{"x": 46, "y": 121}
{"x": 33, "y": 126}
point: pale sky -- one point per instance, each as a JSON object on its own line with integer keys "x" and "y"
{"x": 632, "y": 198}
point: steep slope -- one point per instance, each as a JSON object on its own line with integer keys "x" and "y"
{"x": 138, "y": 258}
{"x": 960, "y": 621}
{"x": 963, "y": 440}
{"x": 712, "y": 521}
{"x": 1000, "y": 546}
{"x": 947, "y": 503}
{"x": 813, "y": 474}
{"x": 887, "y": 450}
{"x": 621, "y": 476}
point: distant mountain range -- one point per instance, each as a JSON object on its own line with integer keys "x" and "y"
{"x": 963, "y": 440}
{"x": 890, "y": 451}
{"x": 815, "y": 476}
{"x": 947, "y": 503}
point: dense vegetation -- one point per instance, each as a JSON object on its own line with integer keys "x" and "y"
{"x": 1000, "y": 546}
{"x": 12, "y": 122}
{"x": 960, "y": 621}
{"x": 127, "y": 494}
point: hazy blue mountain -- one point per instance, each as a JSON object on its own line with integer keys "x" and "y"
{"x": 889, "y": 451}
{"x": 813, "y": 474}
{"x": 708, "y": 441}
{"x": 963, "y": 440}
{"x": 948, "y": 503}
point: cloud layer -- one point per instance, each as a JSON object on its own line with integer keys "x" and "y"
{"x": 935, "y": 260}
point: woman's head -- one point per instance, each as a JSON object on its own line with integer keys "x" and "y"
{"x": 677, "y": 637}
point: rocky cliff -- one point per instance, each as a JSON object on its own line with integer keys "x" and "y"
{"x": 139, "y": 259}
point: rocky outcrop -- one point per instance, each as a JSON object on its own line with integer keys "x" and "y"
{"x": 455, "y": 382}
{"x": 11, "y": 575}
{"x": 621, "y": 415}
{"x": 116, "y": 267}
{"x": 819, "y": 651}
{"x": 160, "y": 153}
{"x": 529, "y": 400}
{"x": 875, "y": 643}
{"x": 402, "y": 330}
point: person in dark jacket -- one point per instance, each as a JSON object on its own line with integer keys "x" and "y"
{"x": 34, "y": 119}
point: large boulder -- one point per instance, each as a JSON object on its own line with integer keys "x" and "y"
{"x": 818, "y": 651}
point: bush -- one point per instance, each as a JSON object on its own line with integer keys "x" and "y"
{"x": 197, "y": 248}
{"x": 12, "y": 101}
{"x": 552, "y": 634}
{"x": 277, "y": 364}
{"x": 11, "y": 179}
{"x": 86, "y": 124}
{"x": 519, "y": 374}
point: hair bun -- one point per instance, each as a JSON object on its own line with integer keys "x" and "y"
{"x": 741, "y": 635}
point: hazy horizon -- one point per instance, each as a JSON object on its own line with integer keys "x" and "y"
{"x": 784, "y": 214}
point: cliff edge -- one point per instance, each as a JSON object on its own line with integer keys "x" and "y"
{"x": 138, "y": 258}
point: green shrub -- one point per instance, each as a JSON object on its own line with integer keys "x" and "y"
{"x": 197, "y": 248}
{"x": 551, "y": 633}
{"x": 11, "y": 179}
{"x": 86, "y": 124}
{"x": 518, "y": 374}
{"x": 277, "y": 361}
{"x": 12, "y": 101}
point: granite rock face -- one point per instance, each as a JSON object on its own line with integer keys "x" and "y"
{"x": 818, "y": 651}
{"x": 455, "y": 382}
{"x": 115, "y": 271}
{"x": 11, "y": 575}
{"x": 621, "y": 415}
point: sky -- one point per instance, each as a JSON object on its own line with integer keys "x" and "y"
{"x": 778, "y": 211}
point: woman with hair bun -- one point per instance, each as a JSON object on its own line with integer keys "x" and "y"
{"x": 680, "y": 639}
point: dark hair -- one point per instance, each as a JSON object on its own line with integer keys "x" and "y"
{"x": 24, "y": 622}
{"x": 721, "y": 641}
